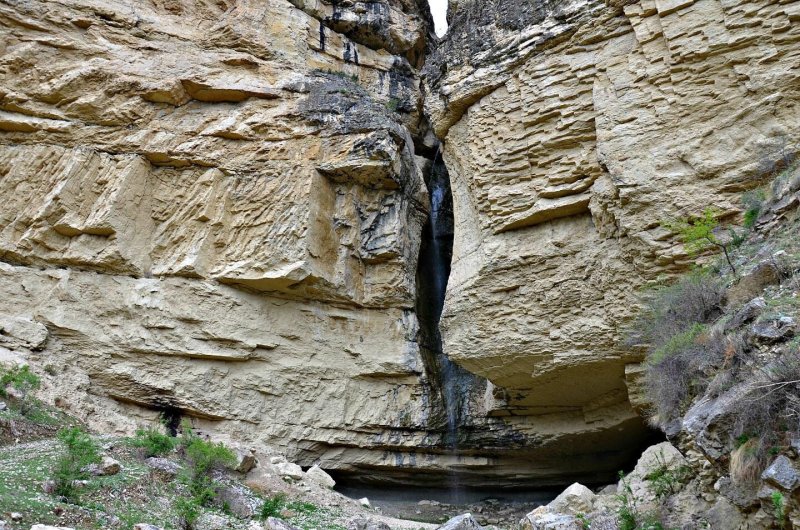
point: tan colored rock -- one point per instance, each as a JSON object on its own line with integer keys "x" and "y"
{"x": 318, "y": 475}
{"x": 289, "y": 470}
{"x": 215, "y": 208}
{"x": 576, "y": 499}
{"x": 107, "y": 466}
{"x": 570, "y": 130}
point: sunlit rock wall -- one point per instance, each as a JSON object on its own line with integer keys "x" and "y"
{"x": 215, "y": 208}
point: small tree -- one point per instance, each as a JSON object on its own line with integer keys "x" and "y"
{"x": 698, "y": 234}
{"x": 80, "y": 451}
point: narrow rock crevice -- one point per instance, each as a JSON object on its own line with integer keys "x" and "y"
{"x": 448, "y": 384}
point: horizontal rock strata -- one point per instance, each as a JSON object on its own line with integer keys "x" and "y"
{"x": 571, "y": 130}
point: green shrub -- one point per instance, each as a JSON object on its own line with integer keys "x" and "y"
{"x": 188, "y": 510}
{"x": 153, "y": 442}
{"x": 273, "y": 506}
{"x": 696, "y": 298}
{"x": 21, "y": 379}
{"x": 79, "y": 452}
{"x": 680, "y": 351}
{"x": 665, "y": 480}
{"x": 779, "y": 508}
{"x": 679, "y": 343}
{"x": 303, "y": 507}
{"x": 753, "y": 202}
{"x": 697, "y": 234}
{"x": 203, "y": 457}
{"x": 627, "y": 512}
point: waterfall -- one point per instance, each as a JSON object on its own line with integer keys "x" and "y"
{"x": 448, "y": 383}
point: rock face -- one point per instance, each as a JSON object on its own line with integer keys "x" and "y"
{"x": 570, "y": 130}
{"x": 214, "y": 210}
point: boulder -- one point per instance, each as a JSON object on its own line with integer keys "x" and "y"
{"x": 318, "y": 475}
{"x": 212, "y": 521}
{"x": 240, "y": 500}
{"x": 543, "y": 518}
{"x": 245, "y": 459}
{"x": 289, "y": 470}
{"x": 273, "y": 523}
{"x": 48, "y": 527}
{"x": 145, "y": 526}
{"x": 107, "y": 466}
{"x": 32, "y": 334}
{"x": 746, "y": 314}
{"x": 163, "y": 465}
{"x": 574, "y": 500}
{"x": 461, "y": 522}
{"x": 772, "y": 331}
{"x": 3, "y": 406}
{"x": 782, "y": 473}
{"x": 364, "y": 502}
{"x": 663, "y": 454}
{"x": 364, "y": 523}
{"x": 753, "y": 283}
{"x": 741, "y": 495}
{"x": 724, "y": 514}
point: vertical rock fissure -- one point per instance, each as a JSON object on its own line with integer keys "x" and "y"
{"x": 447, "y": 382}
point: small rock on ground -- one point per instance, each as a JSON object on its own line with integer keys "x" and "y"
{"x": 783, "y": 474}
{"x": 211, "y": 521}
{"x": 461, "y": 522}
{"x": 163, "y": 465}
{"x": 274, "y": 523}
{"x": 363, "y": 523}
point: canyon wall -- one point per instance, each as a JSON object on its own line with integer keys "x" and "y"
{"x": 215, "y": 209}
{"x": 571, "y": 131}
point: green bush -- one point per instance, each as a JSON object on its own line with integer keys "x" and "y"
{"x": 665, "y": 480}
{"x": 697, "y": 234}
{"x": 779, "y": 508}
{"x": 24, "y": 382}
{"x": 679, "y": 343}
{"x": 188, "y": 510}
{"x": 273, "y": 506}
{"x": 627, "y": 512}
{"x": 202, "y": 458}
{"x": 153, "y": 442}
{"x": 79, "y": 452}
{"x": 674, "y": 329}
{"x": 753, "y": 202}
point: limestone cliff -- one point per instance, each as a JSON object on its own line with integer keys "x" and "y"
{"x": 570, "y": 131}
{"x": 214, "y": 209}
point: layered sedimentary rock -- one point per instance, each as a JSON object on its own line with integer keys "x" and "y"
{"x": 571, "y": 130}
{"x": 213, "y": 210}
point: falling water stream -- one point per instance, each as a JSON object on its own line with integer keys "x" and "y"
{"x": 434, "y": 271}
